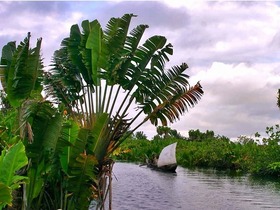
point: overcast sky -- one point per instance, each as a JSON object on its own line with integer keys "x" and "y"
{"x": 232, "y": 48}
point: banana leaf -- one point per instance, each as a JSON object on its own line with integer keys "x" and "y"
{"x": 101, "y": 133}
{"x": 22, "y": 76}
{"x": 83, "y": 176}
{"x": 70, "y": 132}
{"x": 10, "y": 163}
{"x": 94, "y": 44}
{"x": 5, "y": 195}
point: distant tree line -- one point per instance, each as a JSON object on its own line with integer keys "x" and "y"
{"x": 165, "y": 132}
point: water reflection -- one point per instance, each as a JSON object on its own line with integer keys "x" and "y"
{"x": 142, "y": 188}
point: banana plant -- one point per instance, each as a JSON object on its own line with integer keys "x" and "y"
{"x": 41, "y": 127}
{"x": 22, "y": 72}
{"x": 110, "y": 84}
{"x": 11, "y": 161}
{"x": 35, "y": 121}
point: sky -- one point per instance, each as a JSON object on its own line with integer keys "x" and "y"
{"x": 231, "y": 47}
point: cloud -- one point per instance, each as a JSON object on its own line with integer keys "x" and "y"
{"x": 231, "y": 47}
{"x": 239, "y": 99}
{"x": 227, "y": 32}
{"x": 49, "y": 20}
{"x": 154, "y": 13}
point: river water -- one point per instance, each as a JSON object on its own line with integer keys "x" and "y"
{"x": 138, "y": 188}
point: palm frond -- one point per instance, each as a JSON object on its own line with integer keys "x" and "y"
{"x": 100, "y": 132}
{"x": 119, "y": 128}
{"x": 144, "y": 53}
{"x": 116, "y": 32}
{"x": 6, "y": 59}
{"x": 133, "y": 40}
{"x": 62, "y": 83}
{"x": 7, "y": 53}
{"x": 79, "y": 144}
{"x": 69, "y": 134}
{"x": 154, "y": 76}
{"x": 161, "y": 57}
{"x": 140, "y": 60}
{"x": 94, "y": 43}
{"x": 23, "y": 74}
{"x": 168, "y": 95}
{"x": 45, "y": 124}
{"x": 130, "y": 47}
{"x": 113, "y": 53}
{"x": 85, "y": 52}
{"x": 176, "y": 105}
{"x": 72, "y": 45}
{"x": 83, "y": 175}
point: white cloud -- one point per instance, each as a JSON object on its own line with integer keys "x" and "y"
{"x": 51, "y": 24}
{"x": 239, "y": 99}
{"x": 233, "y": 48}
{"x": 227, "y": 32}
{"x": 193, "y": 4}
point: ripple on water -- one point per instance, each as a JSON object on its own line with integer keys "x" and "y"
{"x": 139, "y": 188}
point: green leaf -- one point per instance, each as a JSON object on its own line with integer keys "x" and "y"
{"x": 94, "y": 43}
{"x": 144, "y": 53}
{"x": 84, "y": 165}
{"x": 83, "y": 175}
{"x": 33, "y": 188}
{"x": 13, "y": 160}
{"x": 63, "y": 82}
{"x": 17, "y": 180}
{"x": 70, "y": 134}
{"x": 100, "y": 133}
{"x": 86, "y": 53}
{"x": 79, "y": 144}
{"x": 73, "y": 46}
{"x": 23, "y": 73}
{"x": 7, "y": 54}
{"x": 45, "y": 129}
{"x": 5, "y": 195}
{"x": 52, "y": 133}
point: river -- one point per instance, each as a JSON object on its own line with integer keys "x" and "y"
{"x": 138, "y": 188}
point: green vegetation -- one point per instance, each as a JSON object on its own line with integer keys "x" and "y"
{"x": 56, "y": 150}
{"x": 246, "y": 155}
{"x": 11, "y": 161}
{"x": 60, "y": 143}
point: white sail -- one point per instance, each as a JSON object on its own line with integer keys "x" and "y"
{"x": 167, "y": 155}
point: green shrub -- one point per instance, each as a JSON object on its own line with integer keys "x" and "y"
{"x": 246, "y": 155}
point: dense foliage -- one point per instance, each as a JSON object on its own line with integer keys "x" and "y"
{"x": 246, "y": 155}
{"x": 60, "y": 140}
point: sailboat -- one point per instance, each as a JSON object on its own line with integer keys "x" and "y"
{"x": 166, "y": 161}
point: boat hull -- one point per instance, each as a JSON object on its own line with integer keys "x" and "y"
{"x": 167, "y": 168}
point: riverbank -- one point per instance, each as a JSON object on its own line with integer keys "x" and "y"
{"x": 218, "y": 153}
